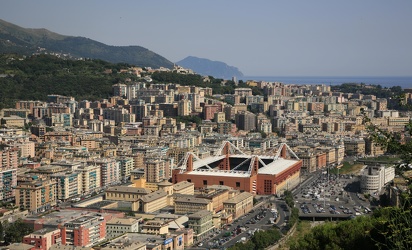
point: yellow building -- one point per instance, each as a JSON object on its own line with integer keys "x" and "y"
{"x": 239, "y": 205}
{"x": 184, "y": 187}
{"x": 190, "y": 204}
{"x": 398, "y": 121}
{"x": 13, "y": 121}
{"x": 26, "y": 148}
{"x": 202, "y": 224}
{"x": 153, "y": 202}
{"x": 155, "y": 227}
{"x": 48, "y": 170}
{"x": 91, "y": 178}
{"x": 216, "y": 196}
{"x": 155, "y": 170}
{"x": 36, "y": 194}
{"x": 355, "y": 147}
{"x": 67, "y": 185}
{"x": 122, "y": 193}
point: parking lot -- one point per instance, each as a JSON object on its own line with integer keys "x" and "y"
{"x": 241, "y": 229}
{"x": 331, "y": 194}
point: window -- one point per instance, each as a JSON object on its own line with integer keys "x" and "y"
{"x": 221, "y": 183}
{"x": 267, "y": 186}
{"x": 204, "y": 182}
{"x": 189, "y": 180}
{"x": 237, "y": 184}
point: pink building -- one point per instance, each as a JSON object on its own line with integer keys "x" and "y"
{"x": 209, "y": 111}
{"x": 43, "y": 239}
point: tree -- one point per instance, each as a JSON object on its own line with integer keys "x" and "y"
{"x": 14, "y": 232}
{"x": 130, "y": 213}
{"x": 1, "y": 232}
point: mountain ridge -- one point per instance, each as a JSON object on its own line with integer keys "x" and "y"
{"x": 16, "y": 39}
{"x": 208, "y": 67}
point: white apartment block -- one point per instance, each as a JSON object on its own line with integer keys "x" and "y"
{"x": 373, "y": 178}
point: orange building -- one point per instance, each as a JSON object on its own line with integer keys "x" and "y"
{"x": 320, "y": 160}
{"x": 43, "y": 239}
{"x": 84, "y": 231}
{"x": 251, "y": 173}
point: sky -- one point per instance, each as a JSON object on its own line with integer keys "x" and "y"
{"x": 261, "y": 38}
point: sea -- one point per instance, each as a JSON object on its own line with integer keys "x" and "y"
{"x": 385, "y": 81}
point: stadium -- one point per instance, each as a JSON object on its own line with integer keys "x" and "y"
{"x": 257, "y": 174}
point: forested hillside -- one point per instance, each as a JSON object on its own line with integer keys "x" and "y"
{"x": 36, "y": 77}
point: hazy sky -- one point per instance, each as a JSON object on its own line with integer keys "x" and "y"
{"x": 261, "y": 38}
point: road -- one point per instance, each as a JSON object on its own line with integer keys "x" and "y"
{"x": 244, "y": 221}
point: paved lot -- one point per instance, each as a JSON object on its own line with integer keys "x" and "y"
{"x": 330, "y": 194}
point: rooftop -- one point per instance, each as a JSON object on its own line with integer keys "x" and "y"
{"x": 153, "y": 196}
{"x": 200, "y": 214}
{"x": 238, "y": 198}
{"x": 124, "y": 189}
{"x": 192, "y": 199}
{"x": 240, "y": 165}
{"x": 182, "y": 185}
{"x": 122, "y": 221}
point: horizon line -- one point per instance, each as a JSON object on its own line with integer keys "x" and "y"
{"x": 319, "y": 76}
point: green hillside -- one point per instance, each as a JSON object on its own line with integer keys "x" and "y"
{"x": 15, "y": 39}
{"x": 36, "y": 77}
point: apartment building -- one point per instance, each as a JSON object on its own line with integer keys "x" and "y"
{"x": 217, "y": 196}
{"x": 226, "y": 128}
{"x": 243, "y": 92}
{"x": 184, "y": 107}
{"x": 239, "y": 205}
{"x": 155, "y": 170}
{"x": 321, "y": 159}
{"x": 27, "y": 148}
{"x": 109, "y": 170}
{"x": 36, "y": 194}
{"x": 185, "y": 205}
{"x": 202, "y": 224}
{"x": 59, "y": 120}
{"x": 140, "y": 241}
{"x": 372, "y": 148}
{"x": 8, "y": 157}
{"x": 44, "y": 238}
{"x": 68, "y": 184}
{"x": 126, "y": 165}
{"x": 219, "y": 117}
{"x": 8, "y": 173}
{"x": 123, "y": 193}
{"x": 339, "y": 153}
{"x": 84, "y": 231}
{"x": 373, "y": 178}
{"x": 184, "y": 187}
{"x": 119, "y": 89}
{"x": 90, "y": 178}
{"x": 308, "y": 158}
{"x": 157, "y": 227}
{"x": 254, "y": 99}
{"x": 118, "y": 115}
{"x": 209, "y": 111}
{"x": 330, "y": 155}
{"x": 316, "y": 107}
{"x": 153, "y": 202}
{"x": 354, "y": 146}
{"x": 118, "y": 226}
{"x": 245, "y": 121}
{"x": 398, "y": 121}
